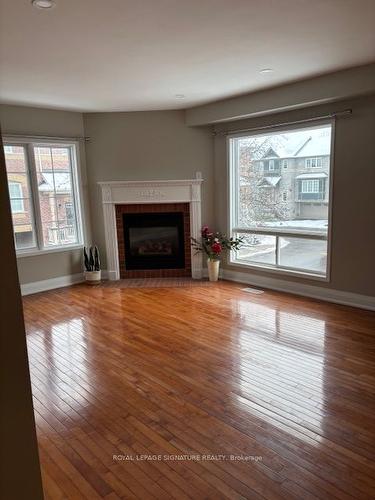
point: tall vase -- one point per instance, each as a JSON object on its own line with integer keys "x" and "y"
{"x": 213, "y": 269}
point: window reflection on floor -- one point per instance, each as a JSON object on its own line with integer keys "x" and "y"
{"x": 281, "y": 361}
{"x": 55, "y": 371}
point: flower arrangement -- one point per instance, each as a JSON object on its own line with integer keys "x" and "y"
{"x": 214, "y": 243}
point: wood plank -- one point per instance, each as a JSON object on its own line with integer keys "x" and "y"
{"x": 201, "y": 371}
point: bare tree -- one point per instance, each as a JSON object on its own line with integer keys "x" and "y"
{"x": 259, "y": 199}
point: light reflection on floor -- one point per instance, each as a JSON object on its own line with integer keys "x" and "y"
{"x": 62, "y": 372}
{"x": 289, "y": 347}
{"x": 209, "y": 370}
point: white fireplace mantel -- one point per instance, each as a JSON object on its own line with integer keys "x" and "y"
{"x": 130, "y": 192}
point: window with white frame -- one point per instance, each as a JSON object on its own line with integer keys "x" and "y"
{"x": 16, "y": 200}
{"x": 314, "y": 162}
{"x": 44, "y": 195}
{"x": 310, "y": 186}
{"x": 285, "y": 163}
{"x": 281, "y": 232}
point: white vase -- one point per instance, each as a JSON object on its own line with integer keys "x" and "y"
{"x": 213, "y": 269}
{"x": 93, "y": 277}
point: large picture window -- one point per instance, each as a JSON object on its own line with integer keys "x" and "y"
{"x": 282, "y": 213}
{"x": 44, "y": 195}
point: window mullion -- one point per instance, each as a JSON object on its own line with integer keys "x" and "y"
{"x": 238, "y": 195}
{"x": 76, "y": 200}
{"x": 55, "y": 198}
{"x": 35, "y": 196}
{"x": 234, "y": 196}
{"x": 277, "y": 250}
{"x": 281, "y": 233}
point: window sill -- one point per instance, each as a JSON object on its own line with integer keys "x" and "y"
{"x": 280, "y": 271}
{"x": 34, "y": 252}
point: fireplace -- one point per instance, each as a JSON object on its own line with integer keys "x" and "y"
{"x": 153, "y": 240}
{"x": 159, "y": 196}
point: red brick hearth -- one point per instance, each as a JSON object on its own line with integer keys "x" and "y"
{"x": 154, "y": 208}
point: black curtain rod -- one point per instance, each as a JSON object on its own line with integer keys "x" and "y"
{"x": 337, "y": 114}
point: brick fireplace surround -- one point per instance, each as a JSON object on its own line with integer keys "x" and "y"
{"x": 121, "y": 197}
{"x": 153, "y": 208}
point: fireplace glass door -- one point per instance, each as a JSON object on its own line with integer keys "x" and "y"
{"x": 154, "y": 240}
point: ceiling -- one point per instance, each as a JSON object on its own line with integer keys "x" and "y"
{"x": 122, "y": 55}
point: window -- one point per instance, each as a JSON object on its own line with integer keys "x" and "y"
{"x": 289, "y": 230}
{"x": 311, "y": 189}
{"x": 314, "y": 162}
{"x": 69, "y": 211}
{"x": 15, "y": 194}
{"x": 310, "y": 186}
{"x": 285, "y": 163}
{"x": 271, "y": 165}
{"x": 44, "y": 194}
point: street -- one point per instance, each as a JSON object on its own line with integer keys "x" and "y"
{"x": 294, "y": 252}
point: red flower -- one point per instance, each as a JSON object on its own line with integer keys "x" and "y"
{"x": 205, "y": 231}
{"x": 216, "y": 247}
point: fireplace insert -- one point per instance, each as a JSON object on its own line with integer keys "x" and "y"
{"x": 154, "y": 240}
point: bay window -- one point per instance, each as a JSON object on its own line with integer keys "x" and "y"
{"x": 311, "y": 186}
{"x": 43, "y": 181}
{"x": 283, "y": 215}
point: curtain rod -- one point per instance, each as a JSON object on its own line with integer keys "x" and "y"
{"x": 336, "y": 114}
{"x": 45, "y": 137}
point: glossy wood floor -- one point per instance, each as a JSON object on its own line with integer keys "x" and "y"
{"x": 196, "y": 372}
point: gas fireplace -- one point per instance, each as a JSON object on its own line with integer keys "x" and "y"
{"x": 153, "y": 240}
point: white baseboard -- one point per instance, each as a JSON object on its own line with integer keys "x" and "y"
{"x": 315, "y": 292}
{"x": 42, "y": 286}
{"x": 111, "y": 275}
{"x": 59, "y": 282}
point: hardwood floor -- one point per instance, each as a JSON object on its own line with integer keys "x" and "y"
{"x": 121, "y": 373}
